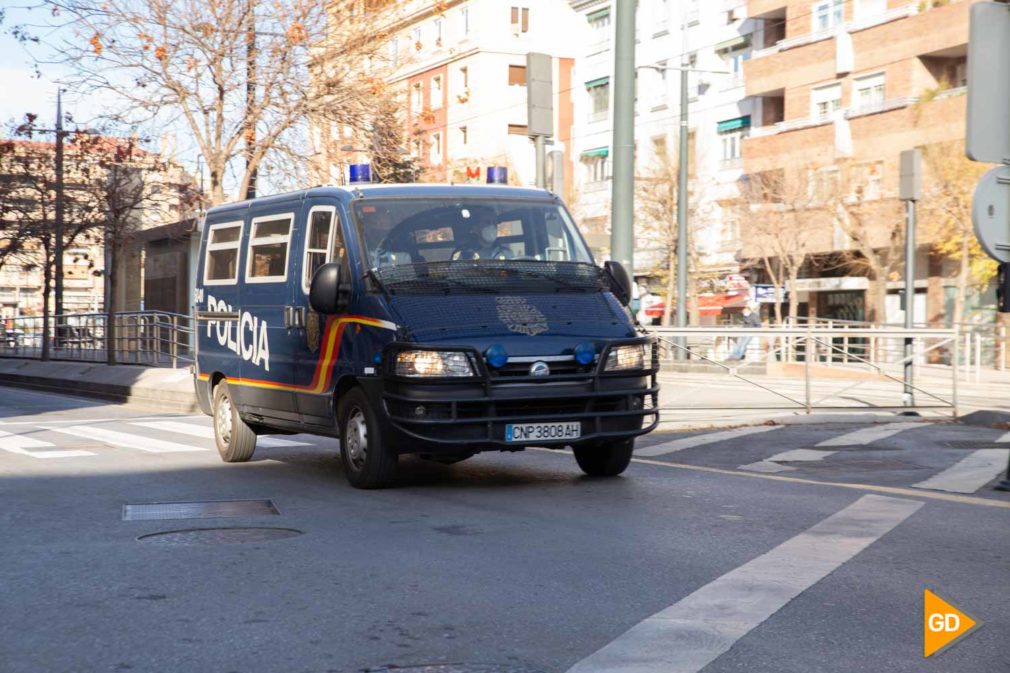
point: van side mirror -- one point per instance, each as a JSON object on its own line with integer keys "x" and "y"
{"x": 620, "y": 281}
{"x": 324, "y": 292}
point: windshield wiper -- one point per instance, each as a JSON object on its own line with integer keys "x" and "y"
{"x": 562, "y": 283}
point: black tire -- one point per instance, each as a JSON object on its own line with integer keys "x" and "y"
{"x": 236, "y": 441}
{"x": 368, "y": 462}
{"x": 607, "y": 459}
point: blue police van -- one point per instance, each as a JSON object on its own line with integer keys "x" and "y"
{"x": 418, "y": 319}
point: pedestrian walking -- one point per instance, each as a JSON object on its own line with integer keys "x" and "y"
{"x": 751, "y": 319}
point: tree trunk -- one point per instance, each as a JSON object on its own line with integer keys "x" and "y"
{"x": 694, "y": 315}
{"x": 110, "y": 301}
{"x": 671, "y": 285}
{"x": 47, "y": 290}
{"x": 878, "y": 298}
{"x": 962, "y": 282}
{"x": 794, "y": 299}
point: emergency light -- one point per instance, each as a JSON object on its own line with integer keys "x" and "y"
{"x": 360, "y": 173}
{"x": 497, "y": 175}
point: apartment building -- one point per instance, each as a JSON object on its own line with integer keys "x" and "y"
{"x": 458, "y": 70}
{"x": 712, "y": 37}
{"x": 840, "y": 88}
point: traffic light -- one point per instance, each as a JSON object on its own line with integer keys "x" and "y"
{"x": 1003, "y": 288}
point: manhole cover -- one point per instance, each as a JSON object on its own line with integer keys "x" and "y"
{"x": 212, "y": 509}
{"x": 455, "y": 668}
{"x": 220, "y": 535}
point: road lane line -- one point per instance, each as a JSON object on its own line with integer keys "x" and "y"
{"x": 869, "y": 435}
{"x": 695, "y": 631}
{"x": 773, "y": 464}
{"x": 206, "y": 432}
{"x": 970, "y": 473}
{"x": 1003, "y": 439}
{"x": 700, "y": 440}
{"x": 126, "y": 440}
{"x": 23, "y": 446}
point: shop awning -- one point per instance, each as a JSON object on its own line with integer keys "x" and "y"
{"x": 598, "y": 14}
{"x": 598, "y": 152}
{"x": 734, "y": 124}
{"x": 714, "y": 304}
{"x": 738, "y": 42}
{"x": 598, "y": 82}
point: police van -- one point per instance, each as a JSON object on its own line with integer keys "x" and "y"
{"x": 417, "y": 319}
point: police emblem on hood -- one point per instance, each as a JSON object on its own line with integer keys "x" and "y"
{"x": 519, "y": 316}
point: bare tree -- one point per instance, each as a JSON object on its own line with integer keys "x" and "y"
{"x": 243, "y": 76}
{"x": 946, "y": 215}
{"x": 775, "y": 212}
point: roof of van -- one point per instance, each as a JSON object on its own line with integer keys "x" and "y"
{"x": 398, "y": 190}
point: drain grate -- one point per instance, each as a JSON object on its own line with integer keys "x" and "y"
{"x": 212, "y": 509}
{"x": 454, "y": 668}
{"x": 220, "y": 535}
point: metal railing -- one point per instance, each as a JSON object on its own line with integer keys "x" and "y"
{"x": 154, "y": 338}
{"x": 817, "y": 367}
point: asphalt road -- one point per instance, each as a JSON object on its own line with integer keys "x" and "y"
{"x": 800, "y": 548}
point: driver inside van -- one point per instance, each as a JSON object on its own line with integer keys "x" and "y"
{"x": 481, "y": 242}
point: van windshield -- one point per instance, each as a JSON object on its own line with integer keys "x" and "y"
{"x": 473, "y": 245}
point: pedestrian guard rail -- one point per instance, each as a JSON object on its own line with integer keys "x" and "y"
{"x": 155, "y": 338}
{"x": 816, "y": 367}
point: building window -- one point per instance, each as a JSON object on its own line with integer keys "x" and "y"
{"x": 435, "y": 156}
{"x": 825, "y": 101}
{"x": 436, "y": 92}
{"x": 416, "y": 34}
{"x": 828, "y": 14}
{"x": 661, "y": 15}
{"x": 517, "y": 75}
{"x": 417, "y": 101}
{"x": 735, "y": 59}
{"x": 731, "y": 135}
{"x": 268, "y": 249}
{"x": 597, "y": 164}
{"x": 691, "y": 13}
{"x": 599, "y": 21}
{"x": 464, "y": 20}
{"x": 438, "y": 32}
{"x": 520, "y": 20}
{"x": 463, "y": 135}
{"x": 869, "y": 92}
{"x": 823, "y": 185}
{"x": 865, "y": 8}
{"x": 866, "y": 181}
{"x": 599, "y": 99}
{"x": 464, "y": 78}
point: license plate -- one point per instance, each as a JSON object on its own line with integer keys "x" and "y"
{"x": 536, "y": 432}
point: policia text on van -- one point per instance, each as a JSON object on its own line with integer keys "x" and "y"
{"x": 435, "y": 320}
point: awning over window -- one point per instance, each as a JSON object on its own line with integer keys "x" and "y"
{"x": 734, "y": 124}
{"x": 598, "y": 152}
{"x": 598, "y": 82}
{"x": 598, "y": 14}
{"x": 738, "y": 42}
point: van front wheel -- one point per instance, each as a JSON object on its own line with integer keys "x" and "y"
{"x": 368, "y": 462}
{"x": 236, "y": 441}
{"x": 606, "y": 459}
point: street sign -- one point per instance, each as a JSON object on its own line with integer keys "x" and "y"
{"x": 539, "y": 95}
{"x": 910, "y": 184}
{"x": 988, "y": 135}
{"x": 990, "y": 213}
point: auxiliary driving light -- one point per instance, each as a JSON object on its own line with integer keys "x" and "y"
{"x": 585, "y": 353}
{"x": 496, "y": 356}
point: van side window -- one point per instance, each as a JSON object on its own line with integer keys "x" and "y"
{"x": 268, "y": 249}
{"x": 323, "y": 242}
{"x": 221, "y": 264}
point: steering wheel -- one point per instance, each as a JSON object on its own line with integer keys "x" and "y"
{"x": 469, "y": 253}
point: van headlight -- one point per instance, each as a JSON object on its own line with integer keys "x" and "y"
{"x": 433, "y": 363}
{"x": 621, "y": 358}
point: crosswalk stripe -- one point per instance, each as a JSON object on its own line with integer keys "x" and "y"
{"x": 692, "y": 633}
{"x": 1003, "y": 439}
{"x": 125, "y": 439}
{"x": 22, "y": 446}
{"x": 869, "y": 435}
{"x": 970, "y": 473}
{"x": 701, "y": 440}
{"x": 205, "y": 432}
{"x": 773, "y": 464}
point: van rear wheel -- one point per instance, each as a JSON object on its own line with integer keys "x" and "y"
{"x": 236, "y": 441}
{"x": 368, "y": 462}
{"x": 605, "y": 459}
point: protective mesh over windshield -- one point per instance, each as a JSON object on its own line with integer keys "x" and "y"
{"x": 493, "y": 277}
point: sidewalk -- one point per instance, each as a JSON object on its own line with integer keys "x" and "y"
{"x": 154, "y": 388}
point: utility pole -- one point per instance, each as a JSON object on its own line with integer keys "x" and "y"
{"x": 910, "y": 191}
{"x": 250, "y": 98}
{"x": 682, "y": 243}
{"x": 622, "y": 202}
{"x": 540, "y": 109}
{"x": 59, "y": 214}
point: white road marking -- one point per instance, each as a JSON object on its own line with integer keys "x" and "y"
{"x": 22, "y": 446}
{"x": 126, "y": 440}
{"x": 869, "y": 435}
{"x": 206, "y": 432}
{"x": 773, "y": 464}
{"x": 692, "y": 633}
{"x": 970, "y": 473}
{"x": 701, "y": 440}
{"x": 1003, "y": 439}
